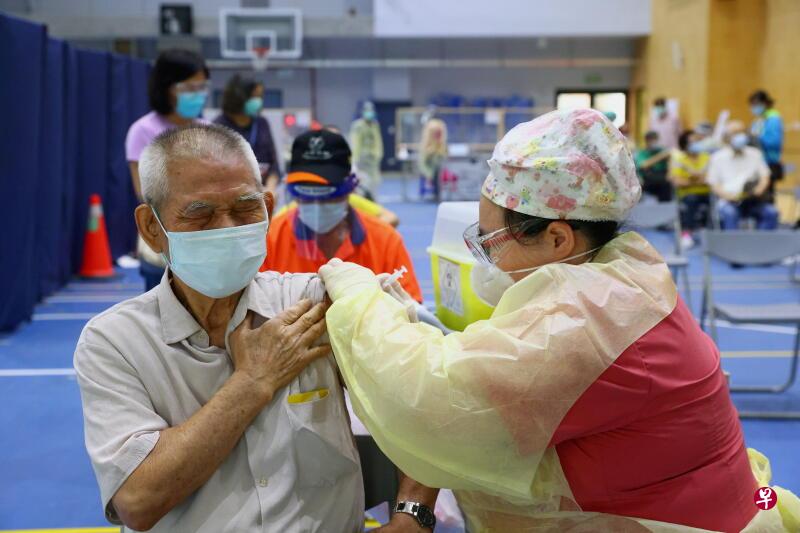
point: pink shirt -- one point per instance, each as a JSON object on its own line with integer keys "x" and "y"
{"x": 657, "y": 436}
{"x": 668, "y": 129}
{"x": 144, "y": 130}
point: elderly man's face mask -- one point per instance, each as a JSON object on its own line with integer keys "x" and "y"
{"x": 218, "y": 262}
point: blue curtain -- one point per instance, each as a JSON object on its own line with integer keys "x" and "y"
{"x": 51, "y": 185}
{"x": 65, "y": 117}
{"x": 22, "y": 60}
{"x": 92, "y": 155}
{"x": 120, "y": 198}
{"x": 69, "y": 256}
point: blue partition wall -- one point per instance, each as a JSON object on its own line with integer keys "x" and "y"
{"x": 65, "y": 113}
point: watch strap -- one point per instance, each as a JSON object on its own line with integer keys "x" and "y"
{"x": 422, "y": 513}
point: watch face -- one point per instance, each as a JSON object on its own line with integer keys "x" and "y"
{"x": 426, "y": 517}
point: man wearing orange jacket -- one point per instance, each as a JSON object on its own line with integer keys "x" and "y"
{"x": 323, "y": 225}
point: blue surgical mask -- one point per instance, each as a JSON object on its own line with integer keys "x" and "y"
{"x": 253, "y": 106}
{"x": 695, "y": 147}
{"x": 368, "y": 115}
{"x": 660, "y": 110}
{"x": 217, "y": 262}
{"x": 757, "y": 109}
{"x": 322, "y": 217}
{"x": 190, "y": 104}
{"x": 739, "y": 141}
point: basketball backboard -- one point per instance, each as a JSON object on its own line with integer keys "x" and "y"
{"x": 241, "y": 30}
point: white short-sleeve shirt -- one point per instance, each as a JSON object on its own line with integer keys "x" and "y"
{"x": 731, "y": 171}
{"x": 146, "y": 365}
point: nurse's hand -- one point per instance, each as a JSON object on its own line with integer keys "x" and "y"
{"x": 342, "y": 279}
{"x": 396, "y": 291}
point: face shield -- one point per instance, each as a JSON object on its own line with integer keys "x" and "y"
{"x": 321, "y": 209}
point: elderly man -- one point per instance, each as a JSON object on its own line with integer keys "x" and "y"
{"x": 739, "y": 177}
{"x": 208, "y": 404}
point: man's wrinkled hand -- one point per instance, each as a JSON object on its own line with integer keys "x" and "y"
{"x": 342, "y": 279}
{"x": 274, "y": 353}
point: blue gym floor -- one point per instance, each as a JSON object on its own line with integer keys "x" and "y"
{"x": 46, "y": 480}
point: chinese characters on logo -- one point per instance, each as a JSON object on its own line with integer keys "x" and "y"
{"x": 765, "y": 498}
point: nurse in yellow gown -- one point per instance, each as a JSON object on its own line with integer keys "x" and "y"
{"x": 590, "y": 400}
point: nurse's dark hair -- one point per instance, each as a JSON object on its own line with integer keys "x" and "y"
{"x": 761, "y": 96}
{"x": 238, "y": 90}
{"x": 171, "y": 67}
{"x": 598, "y": 233}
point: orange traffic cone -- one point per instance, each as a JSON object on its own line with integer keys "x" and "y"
{"x": 96, "y": 251}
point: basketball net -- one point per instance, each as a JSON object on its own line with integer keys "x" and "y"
{"x": 260, "y": 58}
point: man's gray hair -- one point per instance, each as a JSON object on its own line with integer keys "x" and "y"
{"x": 196, "y": 141}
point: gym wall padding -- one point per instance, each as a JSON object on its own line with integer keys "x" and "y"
{"x": 65, "y": 113}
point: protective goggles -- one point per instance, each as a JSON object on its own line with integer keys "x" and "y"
{"x": 315, "y": 192}
{"x": 481, "y": 246}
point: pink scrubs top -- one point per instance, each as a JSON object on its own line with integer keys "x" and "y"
{"x": 657, "y": 436}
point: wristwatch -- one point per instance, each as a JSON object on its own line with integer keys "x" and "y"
{"x": 422, "y": 513}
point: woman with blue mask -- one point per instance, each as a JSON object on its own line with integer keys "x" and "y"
{"x": 242, "y": 104}
{"x": 178, "y": 90}
{"x": 590, "y": 400}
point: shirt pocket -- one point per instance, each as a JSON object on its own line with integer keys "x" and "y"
{"x": 323, "y": 446}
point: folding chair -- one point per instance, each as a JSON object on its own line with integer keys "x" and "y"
{"x": 752, "y": 248}
{"x": 649, "y": 215}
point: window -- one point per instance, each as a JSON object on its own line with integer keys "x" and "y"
{"x": 605, "y": 101}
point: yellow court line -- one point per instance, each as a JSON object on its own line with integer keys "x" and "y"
{"x": 734, "y": 354}
{"x": 67, "y": 530}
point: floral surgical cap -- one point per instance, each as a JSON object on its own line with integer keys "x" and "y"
{"x": 571, "y": 165}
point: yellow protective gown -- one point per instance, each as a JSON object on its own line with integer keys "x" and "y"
{"x": 443, "y": 408}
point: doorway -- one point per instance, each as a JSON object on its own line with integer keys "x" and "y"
{"x": 605, "y": 100}
{"x": 385, "y": 111}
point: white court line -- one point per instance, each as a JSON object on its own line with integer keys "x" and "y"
{"x": 31, "y": 372}
{"x": 765, "y": 328}
{"x": 103, "y": 286}
{"x": 95, "y": 298}
{"x": 38, "y": 317}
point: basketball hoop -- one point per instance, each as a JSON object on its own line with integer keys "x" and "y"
{"x": 259, "y": 56}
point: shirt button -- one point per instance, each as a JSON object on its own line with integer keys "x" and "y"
{"x": 262, "y": 482}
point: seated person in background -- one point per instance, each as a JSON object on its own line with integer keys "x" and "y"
{"x": 687, "y": 172}
{"x": 358, "y": 200}
{"x": 739, "y": 176}
{"x": 705, "y": 134}
{"x": 242, "y": 103}
{"x": 324, "y": 225}
{"x": 207, "y": 405}
{"x": 651, "y": 165}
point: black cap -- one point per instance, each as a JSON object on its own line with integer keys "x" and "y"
{"x": 319, "y": 157}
